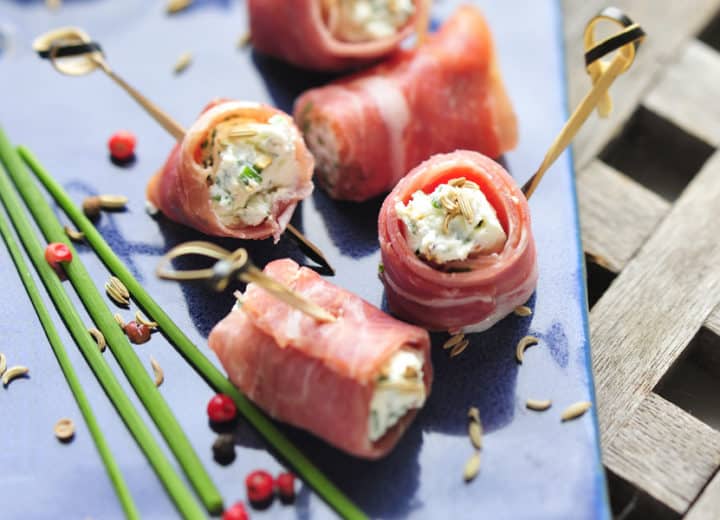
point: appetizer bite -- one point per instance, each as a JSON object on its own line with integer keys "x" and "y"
{"x": 457, "y": 249}
{"x": 239, "y": 172}
{"x": 331, "y": 34}
{"x": 356, "y": 382}
{"x": 366, "y": 131}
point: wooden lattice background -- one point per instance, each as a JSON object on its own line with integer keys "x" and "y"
{"x": 649, "y": 191}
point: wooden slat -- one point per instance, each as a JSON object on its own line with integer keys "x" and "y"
{"x": 665, "y": 451}
{"x": 688, "y": 92}
{"x": 669, "y": 25}
{"x": 657, "y": 303}
{"x": 617, "y": 215}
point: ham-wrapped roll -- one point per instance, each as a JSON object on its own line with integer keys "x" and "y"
{"x": 331, "y": 34}
{"x": 357, "y": 382}
{"x": 239, "y": 172}
{"x": 457, "y": 249}
{"x": 368, "y": 130}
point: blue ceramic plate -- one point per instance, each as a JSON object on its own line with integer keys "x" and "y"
{"x": 533, "y": 465}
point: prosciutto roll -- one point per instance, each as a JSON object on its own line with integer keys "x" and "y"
{"x": 457, "y": 249}
{"x": 366, "y": 131}
{"x": 357, "y": 383}
{"x": 239, "y": 172}
{"x": 329, "y": 34}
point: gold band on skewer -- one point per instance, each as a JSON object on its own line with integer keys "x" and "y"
{"x": 235, "y": 264}
{"x": 602, "y": 75}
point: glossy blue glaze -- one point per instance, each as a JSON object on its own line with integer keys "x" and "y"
{"x": 533, "y": 466}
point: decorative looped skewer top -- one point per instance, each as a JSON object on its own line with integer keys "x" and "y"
{"x": 84, "y": 55}
{"x": 231, "y": 265}
{"x": 602, "y": 73}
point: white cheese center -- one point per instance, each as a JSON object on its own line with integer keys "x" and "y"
{"x": 367, "y": 20}
{"x": 399, "y": 389}
{"x": 425, "y": 221}
{"x": 252, "y": 171}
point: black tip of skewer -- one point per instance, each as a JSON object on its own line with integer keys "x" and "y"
{"x": 123, "y": 163}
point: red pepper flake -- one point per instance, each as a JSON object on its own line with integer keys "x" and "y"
{"x": 122, "y": 145}
{"x": 221, "y": 408}
{"x": 285, "y": 486}
{"x": 236, "y": 512}
{"x": 137, "y": 333}
{"x": 260, "y": 486}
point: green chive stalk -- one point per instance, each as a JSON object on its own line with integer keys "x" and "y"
{"x": 202, "y": 365}
{"x": 181, "y": 496}
{"x": 111, "y": 466}
{"x": 121, "y": 348}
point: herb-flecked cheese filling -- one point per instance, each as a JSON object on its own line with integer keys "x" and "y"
{"x": 451, "y": 223}
{"x": 398, "y": 390}
{"x": 254, "y": 164}
{"x": 367, "y": 20}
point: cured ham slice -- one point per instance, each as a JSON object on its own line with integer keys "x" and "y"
{"x": 366, "y": 131}
{"x": 319, "y": 377}
{"x": 467, "y": 295}
{"x": 211, "y": 181}
{"x": 304, "y": 33}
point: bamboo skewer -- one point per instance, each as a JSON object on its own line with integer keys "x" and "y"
{"x": 602, "y": 75}
{"x": 422, "y": 24}
{"x": 87, "y": 56}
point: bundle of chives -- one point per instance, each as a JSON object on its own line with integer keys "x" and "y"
{"x": 272, "y": 435}
{"x": 111, "y": 466}
{"x": 175, "y": 486}
{"x": 93, "y": 301}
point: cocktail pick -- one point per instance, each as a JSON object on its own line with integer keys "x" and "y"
{"x": 82, "y": 56}
{"x": 602, "y": 73}
{"x": 235, "y": 265}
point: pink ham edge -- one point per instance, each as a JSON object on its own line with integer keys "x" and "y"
{"x": 179, "y": 189}
{"x": 295, "y": 32}
{"x": 447, "y": 95}
{"x": 318, "y": 377}
{"x": 469, "y": 301}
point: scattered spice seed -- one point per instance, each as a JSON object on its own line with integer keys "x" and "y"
{"x": 524, "y": 343}
{"x": 474, "y": 414}
{"x": 575, "y": 410}
{"x": 523, "y": 310}
{"x": 454, "y": 340}
{"x": 53, "y": 4}
{"x": 244, "y": 40}
{"x": 175, "y": 6}
{"x": 142, "y": 320}
{"x": 91, "y": 207}
{"x": 122, "y": 146}
{"x": 99, "y": 338}
{"x": 64, "y": 430}
{"x": 117, "y": 291}
{"x": 182, "y": 63}
{"x": 137, "y": 333}
{"x": 221, "y": 408}
{"x": 118, "y": 319}
{"x": 285, "y": 486}
{"x": 158, "y": 371}
{"x": 224, "y": 449}
{"x": 539, "y": 405}
{"x": 74, "y": 235}
{"x": 115, "y": 282}
{"x": 236, "y": 512}
{"x": 472, "y": 467}
{"x": 3, "y": 363}
{"x": 13, "y": 373}
{"x": 260, "y": 486}
{"x": 113, "y": 201}
{"x": 459, "y": 348}
{"x": 475, "y": 433}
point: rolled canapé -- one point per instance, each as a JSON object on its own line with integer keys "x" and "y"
{"x": 457, "y": 247}
{"x": 331, "y": 35}
{"x": 368, "y": 130}
{"x": 239, "y": 172}
{"x": 356, "y": 383}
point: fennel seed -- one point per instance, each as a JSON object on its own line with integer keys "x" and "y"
{"x": 144, "y": 321}
{"x": 472, "y": 467}
{"x": 112, "y": 201}
{"x": 13, "y": 373}
{"x": 182, "y": 63}
{"x": 539, "y": 405}
{"x": 158, "y": 371}
{"x": 454, "y": 340}
{"x": 3, "y": 363}
{"x": 475, "y": 433}
{"x": 459, "y": 348}
{"x": 176, "y": 6}
{"x": 64, "y": 430}
{"x": 99, "y": 338}
{"x": 523, "y": 310}
{"x": 575, "y": 410}
{"x": 73, "y": 234}
{"x": 474, "y": 414}
{"x": 524, "y": 343}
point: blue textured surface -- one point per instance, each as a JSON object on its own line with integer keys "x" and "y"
{"x": 533, "y": 466}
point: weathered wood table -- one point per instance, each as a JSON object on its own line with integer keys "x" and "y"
{"x": 649, "y": 190}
